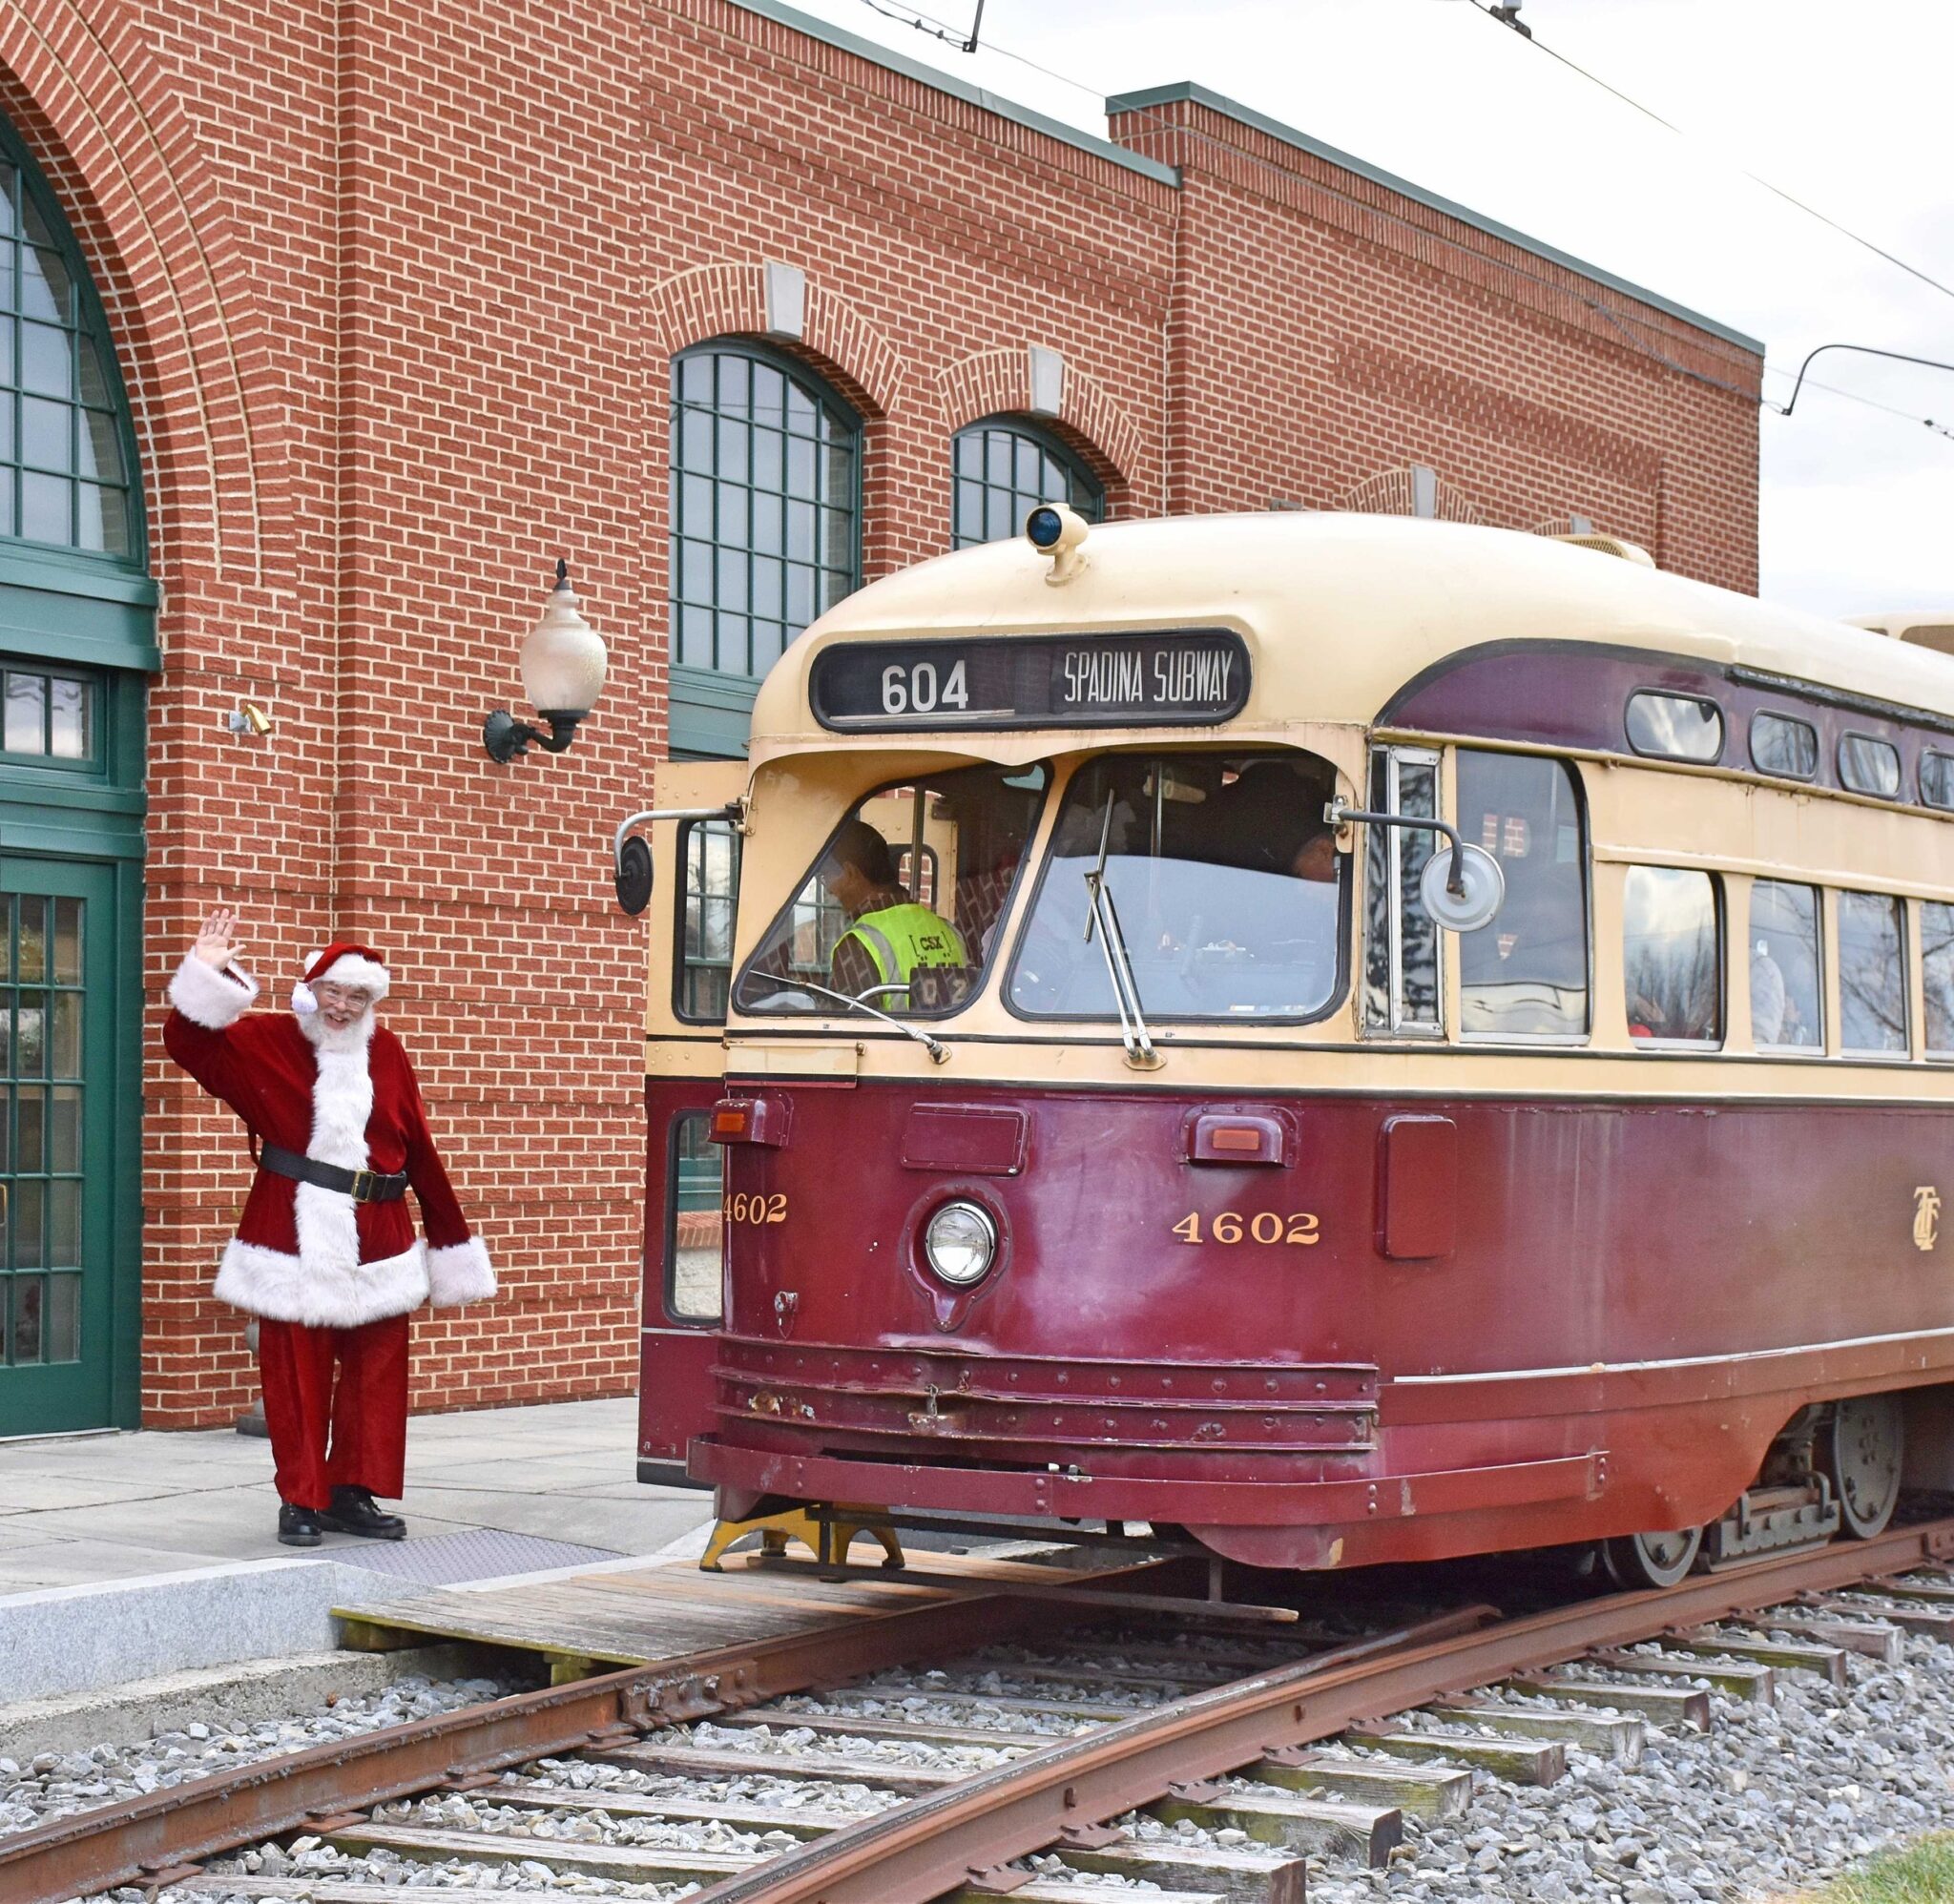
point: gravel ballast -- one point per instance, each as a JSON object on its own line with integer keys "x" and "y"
{"x": 51, "y": 1785}
{"x": 1771, "y": 1800}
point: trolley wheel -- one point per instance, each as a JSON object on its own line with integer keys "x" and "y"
{"x": 1858, "y": 1452}
{"x": 1636, "y": 1561}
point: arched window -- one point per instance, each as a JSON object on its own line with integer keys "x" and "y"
{"x": 65, "y": 455}
{"x": 766, "y": 527}
{"x": 1002, "y": 468}
{"x": 77, "y": 643}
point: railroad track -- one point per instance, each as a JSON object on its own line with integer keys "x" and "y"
{"x": 823, "y": 1768}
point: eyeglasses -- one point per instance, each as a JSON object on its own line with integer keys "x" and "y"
{"x": 354, "y": 998}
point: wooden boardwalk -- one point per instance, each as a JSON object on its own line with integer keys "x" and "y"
{"x": 666, "y": 1608}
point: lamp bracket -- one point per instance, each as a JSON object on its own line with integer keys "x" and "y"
{"x": 507, "y": 738}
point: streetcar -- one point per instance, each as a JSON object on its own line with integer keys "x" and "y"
{"x": 1341, "y": 1039}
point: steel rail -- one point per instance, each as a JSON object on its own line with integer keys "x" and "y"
{"x": 141, "y": 1840}
{"x": 918, "y": 1849}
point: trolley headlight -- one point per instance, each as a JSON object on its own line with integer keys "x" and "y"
{"x": 960, "y": 1242}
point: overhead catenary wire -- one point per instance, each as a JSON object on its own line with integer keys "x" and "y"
{"x": 1493, "y": 12}
{"x": 1624, "y": 324}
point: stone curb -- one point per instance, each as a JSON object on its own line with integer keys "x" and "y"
{"x": 63, "y": 1640}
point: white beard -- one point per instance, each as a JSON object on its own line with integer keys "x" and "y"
{"x": 321, "y": 1037}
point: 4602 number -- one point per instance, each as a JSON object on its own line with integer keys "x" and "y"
{"x": 1265, "y": 1226}
{"x": 756, "y": 1209}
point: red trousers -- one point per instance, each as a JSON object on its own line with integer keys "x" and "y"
{"x": 365, "y": 1413}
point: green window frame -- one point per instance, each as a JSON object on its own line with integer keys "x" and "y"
{"x": 77, "y": 642}
{"x": 50, "y": 717}
{"x": 67, "y": 450}
{"x": 1002, "y": 468}
{"x": 766, "y": 530}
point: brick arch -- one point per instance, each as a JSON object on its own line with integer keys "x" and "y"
{"x": 994, "y": 382}
{"x": 83, "y": 92}
{"x": 836, "y": 340}
{"x": 1390, "y": 493}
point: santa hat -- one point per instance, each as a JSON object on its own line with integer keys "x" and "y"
{"x": 341, "y": 963}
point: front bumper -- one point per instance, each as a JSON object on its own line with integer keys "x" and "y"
{"x": 1237, "y": 1420}
{"x": 1073, "y": 1494}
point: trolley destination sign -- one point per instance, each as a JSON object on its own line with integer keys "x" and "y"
{"x": 1180, "y": 678}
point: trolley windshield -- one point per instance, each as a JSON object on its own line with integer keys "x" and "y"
{"x": 899, "y": 910}
{"x": 1225, "y": 880}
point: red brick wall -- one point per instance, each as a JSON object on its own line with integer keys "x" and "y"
{"x": 1326, "y": 329}
{"x": 395, "y": 290}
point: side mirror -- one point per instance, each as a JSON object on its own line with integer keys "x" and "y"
{"x": 1461, "y": 886}
{"x": 1464, "y": 899}
{"x": 632, "y": 875}
{"x": 630, "y": 856}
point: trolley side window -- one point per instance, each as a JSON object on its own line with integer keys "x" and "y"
{"x": 901, "y": 908}
{"x": 1672, "y": 957}
{"x": 1675, "y": 727}
{"x": 702, "y": 973}
{"x": 1525, "y": 975}
{"x": 1937, "y": 953}
{"x": 1225, "y": 880}
{"x": 1871, "y": 975}
{"x": 1937, "y": 779}
{"x": 1787, "y": 971}
{"x": 1783, "y": 745}
{"x": 1868, "y": 765}
{"x": 1400, "y": 973}
{"x": 693, "y": 1221}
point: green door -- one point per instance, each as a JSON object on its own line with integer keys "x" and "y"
{"x": 57, "y": 961}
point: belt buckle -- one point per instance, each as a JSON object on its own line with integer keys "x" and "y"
{"x": 362, "y": 1186}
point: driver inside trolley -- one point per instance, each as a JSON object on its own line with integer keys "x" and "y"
{"x": 889, "y": 935}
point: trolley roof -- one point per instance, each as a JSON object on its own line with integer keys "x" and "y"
{"x": 1340, "y": 611}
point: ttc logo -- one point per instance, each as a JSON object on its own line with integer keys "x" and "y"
{"x": 1926, "y": 1216}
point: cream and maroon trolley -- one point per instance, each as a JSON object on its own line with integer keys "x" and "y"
{"x": 1443, "y": 1042}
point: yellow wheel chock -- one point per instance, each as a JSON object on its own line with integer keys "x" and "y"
{"x": 828, "y": 1539}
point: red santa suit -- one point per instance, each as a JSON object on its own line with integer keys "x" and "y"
{"x": 330, "y": 1277}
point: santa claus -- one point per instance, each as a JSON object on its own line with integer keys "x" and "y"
{"x": 325, "y": 1254}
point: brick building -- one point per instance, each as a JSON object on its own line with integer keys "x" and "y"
{"x": 334, "y": 324}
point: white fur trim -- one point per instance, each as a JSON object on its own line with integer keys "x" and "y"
{"x": 303, "y": 1001}
{"x": 341, "y": 1103}
{"x": 296, "y": 1289}
{"x": 350, "y": 970}
{"x": 460, "y": 1272}
{"x": 210, "y": 998}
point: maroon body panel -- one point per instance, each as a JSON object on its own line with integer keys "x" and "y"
{"x": 1571, "y": 695}
{"x": 674, "y": 1358}
{"x": 1424, "y": 1327}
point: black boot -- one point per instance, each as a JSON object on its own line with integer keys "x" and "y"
{"x": 299, "y": 1526}
{"x": 353, "y": 1512}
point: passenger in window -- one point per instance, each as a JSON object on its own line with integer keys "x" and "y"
{"x": 889, "y": 936}
{"x": 1315, "y": 856}
{"x": 1769, "y": 999}
{"x": 1682, "y": 1007}
{"x": 1269, "y": 818}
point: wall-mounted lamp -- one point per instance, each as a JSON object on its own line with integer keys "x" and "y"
{"x": 563, "y": 663}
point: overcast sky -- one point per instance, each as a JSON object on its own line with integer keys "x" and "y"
{"x": 1842, "y": 105}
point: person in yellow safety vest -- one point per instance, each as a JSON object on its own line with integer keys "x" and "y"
{"x": 889, "y": 935}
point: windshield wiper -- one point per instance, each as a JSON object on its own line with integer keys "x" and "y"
{"x": 1133, "y": 1034}
{"x": 938, "y": 1054}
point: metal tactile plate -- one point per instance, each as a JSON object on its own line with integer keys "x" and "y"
{"x": 446, "y": 1560}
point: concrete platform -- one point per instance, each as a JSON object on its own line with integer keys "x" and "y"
{"x": 88, "y": 1509}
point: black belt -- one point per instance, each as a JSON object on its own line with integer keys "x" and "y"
{"x": 361, "y": 1186}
